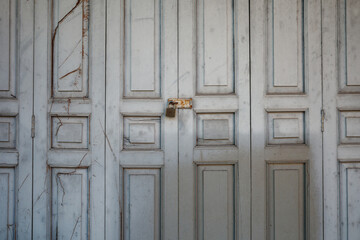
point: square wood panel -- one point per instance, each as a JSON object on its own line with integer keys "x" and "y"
{"x": 349, "y": 127}
{"x": 7, "y": 132}
{"x": 70, "y": 132}
{"x": 215, "y": 129}
{"x": 286, "y": 128}
{"x": 142, "y": 133}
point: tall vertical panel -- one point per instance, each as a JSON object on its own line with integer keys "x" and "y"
{"x": 286, "y": 202}
{"x": 70, "y": 203}
{"x": 285, "y": 46}
{"x": 141, "y": 204}
{"x": 7, "y": 48}
{"x": 216, "y": 198}
{"x": 350, "y": 200}
{"x": 142, "y": 48}
{"x": 349, "y": 49}
{"x": 7, "y": 203}
{"x": 215, "y": 50}
{"x": 70, "y": 48}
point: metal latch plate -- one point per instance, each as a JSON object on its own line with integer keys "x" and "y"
{"x": 181, "y": 103}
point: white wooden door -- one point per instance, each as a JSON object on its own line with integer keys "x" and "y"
{"x": 286, "y": 119}
{"x": 16, "y": 94}
{"x": 69, "y": 108}
{"x": 269, "y": 150}
{"x": 141, "y": 143}
{"x": 341, "y": 51}
{"x": 214, "y": 136}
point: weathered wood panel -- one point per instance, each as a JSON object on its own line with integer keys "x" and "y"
{"x": 142, "y": 204}
{"x": 215, "y": 50}
{"x": 70, "y": 132}
{"x": 7, "y": 203}
{"x": 285, "y": 46}
{"x": 70, "y": 48}
{"x": 286, "y": 93}
{"x": 350, "y": 200}
{"x": 8, "y": 63}
{"x": 286, "y": 201}
{"x": 341, "y": 136}
{"x": 286, "y": 128}
{"x": 142, "y": 48}
{"x": 70, "y": 203}
{"x": 142, "y": 132}
{"x": 349, "y": 124}
{"x": 215, "y": 129}
{"x": 8, "y": 129}
{"x": 348, "y": 46}
{"x": 216, "y": 212}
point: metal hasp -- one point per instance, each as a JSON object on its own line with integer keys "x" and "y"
{"x": 181, "y": 103}
{"x": 174, "y": 103}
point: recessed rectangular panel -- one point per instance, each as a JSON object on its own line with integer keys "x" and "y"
{"x": 353, "y": 127}
{"x": 70, "y": 54}
{"x": 349, "y": 127}
{"x": 7, "y": 48}
{"x": 142, "y": 132}
{"x": 4, "y": 131}
{"x": 142, "y": 208}
{"x": 7, "y": 203}
{"x": 349, "y": 49}
{"x": 142, "y": 48}
{"x": 7, "y": 132}
{"x": 70, "y": 132}
{"x": 350, "y": 200}
{"x": 285, "y": 46}
{"x": 286, "y": 201}
{"x": 215, "y": 128}
{"x": 286, "y": 128}
{"x": 216, "y": 198}
{"x": 215, "y": 50}
{"x": 70, "y": 203}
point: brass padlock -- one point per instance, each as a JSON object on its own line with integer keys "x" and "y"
{"x": 171, "y": 109}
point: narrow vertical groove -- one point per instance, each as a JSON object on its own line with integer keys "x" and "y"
{"x": 105, "y": 123}
{"x": 250, "y": 109}
{"x": 322, "y": 107}
{"x": 33, "y": 112}
{"x": 178, "y": 122}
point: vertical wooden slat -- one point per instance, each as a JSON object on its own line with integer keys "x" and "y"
{"x": 25, "y": 89}
{"x": 291, "y": 101}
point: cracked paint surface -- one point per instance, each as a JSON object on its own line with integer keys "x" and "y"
{"x": 70, "y": 54}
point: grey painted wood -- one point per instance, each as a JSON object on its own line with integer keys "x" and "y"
{"x": 65, "y": 67}
{"x": 286, "y": 194}
{"x": 7, "y": 203}
{"x": 8, "y": 41}
{"x": 341, "y": 105}
{"x": 24, "y": 95}
{"x": 70, "y": 131}
{"x": 216, "y": 133}
{"x": 298, "y": 101}
{"x": 141, "y": 76}
{"x": 215, "y": 36}
{"x": 348, "y": 34}
{"x": 215, "y": 207}
{"x": 70, "y": 204}
{"x": 70, "y": 55}
{"x": 142, "y": 204}
{"x": 142, "y": 56}
{"x": 285, "y": 47}
{"x": 349, "y": 200}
